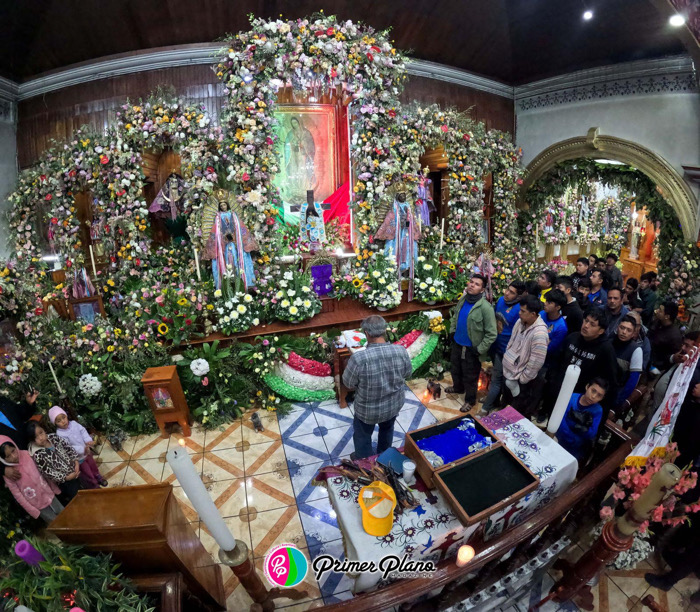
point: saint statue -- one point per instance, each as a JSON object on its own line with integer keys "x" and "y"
{"x": 230, "y": 244}
{"x": 583, "y": 214}
{"x": 299, "y": 160}
{"x": 400, "y": 231}
{"x": 549, "y": 222}
{"x": 424, "y": 198}
{"x": 167, "y": 202}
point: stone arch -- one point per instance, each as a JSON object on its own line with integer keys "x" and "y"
{"x": 594, "y": 145}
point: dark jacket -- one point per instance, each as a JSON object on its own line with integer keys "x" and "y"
{"x": 649, "y": 298}
{"x": 596, "y": 359}
{"x": 665, "y": 342}
{"x": 573, "y": 315}
{"x": 18, "y": 415}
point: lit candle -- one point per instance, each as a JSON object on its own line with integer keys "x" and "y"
{"x": 193, "y": 487}
{"x": 442, "y": 231}
{"x": 567, "y": 388}
{"x": 196, "y": 263}
{"x": 94, "y": 267}
{"x": 53, "y": 373}
{"x": 464, "y": 555}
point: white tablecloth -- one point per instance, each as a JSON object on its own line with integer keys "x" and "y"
{"x": 432, "y": 531}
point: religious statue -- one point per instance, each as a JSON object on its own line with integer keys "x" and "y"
{"x": 424, "y": 198}
{"x": 167, "y": 202}
{"x": 400, "y": 231}
{"x": 230, "y": 243}
{"x": 299, "y": 159}
{"x": 549, "y": 222}
{"x": 583, "y": 214}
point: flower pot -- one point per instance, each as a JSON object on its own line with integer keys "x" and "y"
{"x": 431, "y": 302}
{"x": 382, "y": 309}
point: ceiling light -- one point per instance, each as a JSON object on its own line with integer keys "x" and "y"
{"x": 612, "y": 162}
{"x": 677, "y": 20}
{"x": 588, "y": 15}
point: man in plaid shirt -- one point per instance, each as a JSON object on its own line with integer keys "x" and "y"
{"x": 378, "y": 374}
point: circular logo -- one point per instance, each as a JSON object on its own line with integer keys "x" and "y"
{"x": 285, "y": 566}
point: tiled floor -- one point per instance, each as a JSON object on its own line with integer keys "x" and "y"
{"x": 262, "y": 484}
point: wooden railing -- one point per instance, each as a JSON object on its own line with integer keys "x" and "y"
{"x": 448, "y": 575}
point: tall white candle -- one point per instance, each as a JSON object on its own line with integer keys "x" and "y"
{"x": 192, "y": 485}
{"x": 196, "y": 263}
{"x": 94, "y": 267}
{"x": 442, "y": 231}
{"x": 351, "y": 240}
{"x": 53, "y": 373}
{"x": 567, "y": 388}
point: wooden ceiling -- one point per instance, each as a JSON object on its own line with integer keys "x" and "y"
{"x": 515, "y": 41}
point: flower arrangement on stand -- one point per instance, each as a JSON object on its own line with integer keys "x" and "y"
{"x": 296, "y": 300}
{"x": 236, "y": 310}
{"x": 671, "y": 512}
{"x": 453, "y": 274}
{"x": 679, "y": 280}
{"x": 176, "y": 310}
{"x": 379, "y": 286}
{"x": 430, "y": 285}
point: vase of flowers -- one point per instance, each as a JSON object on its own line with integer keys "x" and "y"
{"x": 296, "y": 301}
{"x": 236, "y": 310}
{"x": 429, "y": 285}
{"x": 380, "y": 285}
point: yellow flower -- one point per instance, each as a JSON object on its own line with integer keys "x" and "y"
{"x": 210, "y": 306}
{"x": 357, "y": 282}
{"x": 117, "y": 332}
{"x": 110, "y": 348}
{"x": 110, "y": 282}
{"x": 182, "y": 302}
{"x": 163, "y": 329}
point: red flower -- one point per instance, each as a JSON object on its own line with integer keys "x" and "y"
{"x": 319, "y": 33}
{"x": 210, "y": 170}
{"x": 270, "y": 221}
{"x": 121, "y": 193}
{"x": 104, "y": 159}
{"x": 251, "y": 48}
{"x": 138, "y": 262}
{"x": 392, "y": 112}
{"x": 188, "y": 321}
{"x": 269, "y": 140}
{"x": 334, "y": 72}
{"x": 375, "y": 49}
{"x": 48, "y": 197}
{"x": 38, "y": 310}
{"x": 72, "y": 173}
{"x": 444, "y": 128}
{"x": 330, "y": 32}
{"x": 519, "y": 181}
{"x": 43, "y": 178}
{"x": 54, "y": 220}
{"x": 69, "y": 264}
{"x": 370, "y": 57}
{"x": 459, "y": 226}
{"x": 164, "y": 319}
{"x": 466, "y": 137}
{"x": 246, "y": 176}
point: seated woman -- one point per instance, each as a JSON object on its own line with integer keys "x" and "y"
{"x": 581, "y": 421}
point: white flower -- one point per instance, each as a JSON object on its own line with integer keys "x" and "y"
{"x": 422, "y": 285}
{"x": 89, "y": 385}
{"x": 285, "y": 303}
{"x": 376, "y": 273}
{"x": 293, "y": 310}
{"x": 240, "y": 308}
{"x": 305, "y": 289}
{"x": 199, "y": 367}
{"x": 427, "y": 267}
{"x": 217, "y": 293}
{"x": 289, "y": 276}
{"x": 279, "y": 294}
{"x": 256, "y": 321}
{"x": 247, "y": 298}
{"x": 307, "y": 304}
{"x": 291, "y": 293}
{"x": 432, "y": 290}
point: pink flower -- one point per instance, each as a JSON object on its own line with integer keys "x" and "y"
{"x": 135, "y": 342}
{"x": 265, "y": 342}
{"x": 606, "y": 513}
{"x": 444, "y": 128}
{"x": 246, "y": 176}
{"x": 205, "y": 381}
{"x": 618, "y": 493}
{"x": 89, "y": 326}
{"x": 160, "y": 300}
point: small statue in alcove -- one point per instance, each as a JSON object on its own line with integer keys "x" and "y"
{"x": 424, "y": 198}
{"x": 168, "y": 201}
{"x": 400, "y": 231}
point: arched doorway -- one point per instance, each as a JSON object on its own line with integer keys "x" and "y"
{"x": 594, "y": 145}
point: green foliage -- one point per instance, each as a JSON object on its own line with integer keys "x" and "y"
{"x": 69, "y": 577}
{"x": 15, "y": 524}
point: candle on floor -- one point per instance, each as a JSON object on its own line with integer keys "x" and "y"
{"x": 464, "y": 555}
{"x": 194, "y": 488}
{"x": 567, "y": 388}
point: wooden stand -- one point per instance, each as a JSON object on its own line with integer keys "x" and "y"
{"x": 146, "y": 532}
{"x": 340, "y": 360}
{"x": 166, "y": 398}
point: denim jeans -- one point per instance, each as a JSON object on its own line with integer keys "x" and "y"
{"x": 362, "y": 437}
{"x": 496, "y": 384}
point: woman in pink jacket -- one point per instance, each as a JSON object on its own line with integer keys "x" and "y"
{"x": 33, "y": 492}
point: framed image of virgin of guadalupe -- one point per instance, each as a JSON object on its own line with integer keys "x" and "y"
{"x": 308, "y": 154}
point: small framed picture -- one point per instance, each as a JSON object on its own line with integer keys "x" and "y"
{"x": 86, "y": 309}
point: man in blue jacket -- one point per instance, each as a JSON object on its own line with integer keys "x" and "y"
{"x": 584, "y": 413}
{"x": 507, "y": 311}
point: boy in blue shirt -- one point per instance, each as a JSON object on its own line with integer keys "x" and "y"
{"x": 507, "y": 313}
{"x": 581, "y": 421}
{"x": 555, "y": 322}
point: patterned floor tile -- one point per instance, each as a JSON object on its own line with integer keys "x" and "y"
{"x": 298, "y": 423}
{"x": 331, "y": 415}
{"x": 109, "y": 455}
{"x": 339, "y": 443}
{"x": 224, "y": 464}
{"x": 229, "y": 496}
{"x": 261, "y": 458}
{"x": 334, "y": 587}
{"x": 149, "y": 446}
{"x": 411, "y": 401}
{"x": 238, "y": 529}
{"x": 238, "y": 599}
{"x": 302, "y": 477}
{"x": 305, "y": 449}
{"x": 274, "y": 527}
{"x": 137, "y": 474}
{"x": 269, "y": 492}
{"x": 150, "y": 470}
{"x": 114, "y": 472}
{"x": 410, "y": 420}
{"x": 168, "y": 476}
{"x": 225, "y": 437}
{"x": 319, "y": 521}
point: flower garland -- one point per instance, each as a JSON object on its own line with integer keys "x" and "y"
{"x": 309, "y": 366}
{"x": 303, "y": 380}
{"x": 679, "y": 280}
{"x": 296, "y": 394}
{"x": 317, "y": 54}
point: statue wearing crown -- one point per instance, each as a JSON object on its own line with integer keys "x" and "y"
{"x": 400, "y": 230}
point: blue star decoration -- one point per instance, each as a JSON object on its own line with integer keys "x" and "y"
{"x": 418, "y": 510}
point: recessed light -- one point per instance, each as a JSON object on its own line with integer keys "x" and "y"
{"x": 677, "y": 20}
{"x": 588, "y": 15}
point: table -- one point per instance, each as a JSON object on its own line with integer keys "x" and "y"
{"x": 431, "y": 531}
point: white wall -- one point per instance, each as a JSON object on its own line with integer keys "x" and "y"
{"x": 8, "y": 176}
{"x": 666, "y": 123}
